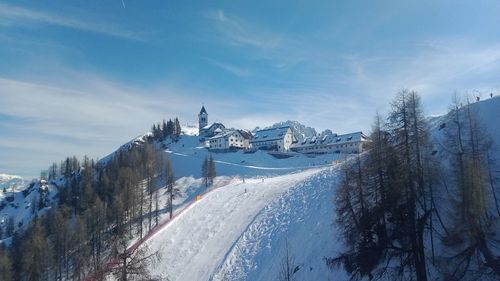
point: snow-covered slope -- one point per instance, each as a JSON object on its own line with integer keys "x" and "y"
{"x": 236, "y": 232}
{"x": 11, "y": 183}
{"x": 236, "y": 235}
{"x": 187, "y": 158}
{"x": 300, "y": 218}
{"x": 20, "y": 201}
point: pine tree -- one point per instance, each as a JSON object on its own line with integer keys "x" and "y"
{"x": 177, "y": 128}
{"x": 154, "y": 132}
{"x": 170, "y": 127}
{"x": 164, "y": 129}
{"x": 205, "y": 171}
{"x": 170, "y": 183}
{"x": 211, "y": 169}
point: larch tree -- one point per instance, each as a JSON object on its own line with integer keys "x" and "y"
{"x": 381, "y": 201}
{"x": 473, "y": 232}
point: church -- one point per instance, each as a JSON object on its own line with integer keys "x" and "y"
{"x": 206, "y": 131}
{"x": 216, "y": 137}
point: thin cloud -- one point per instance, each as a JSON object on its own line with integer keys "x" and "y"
{"x": 427, "y": 70}
{"x": 233, "y": 69}
{"x": 235, "y": 31}
{"x": 93, "y": 117}
{"x": 18, "y": 16}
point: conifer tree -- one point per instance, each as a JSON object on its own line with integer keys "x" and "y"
{"x": 382, "y": 200}
{"x": 472, "y": 234}
{"x": 170, "y": 184}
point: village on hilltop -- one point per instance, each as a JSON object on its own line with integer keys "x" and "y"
{"x": 278, "y": 141}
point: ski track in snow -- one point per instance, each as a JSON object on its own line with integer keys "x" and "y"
{"x": 303, "y": 215}
{"x": 196, "y": 244}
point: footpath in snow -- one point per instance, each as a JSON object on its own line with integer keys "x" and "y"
{"x": 197, "y": 243}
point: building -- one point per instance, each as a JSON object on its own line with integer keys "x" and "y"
{"x": 230, "y": 140}
{"x": 247, "y": 138}
{"x": 349, "y": 143}
{"x": 275, "y": 139}
{"x": 206, "y": 131}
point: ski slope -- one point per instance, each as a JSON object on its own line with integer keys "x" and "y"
{"x": 222, "y": 228}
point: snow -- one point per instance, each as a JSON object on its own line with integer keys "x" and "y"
{"x": 189, "y": 129}
{"x": 11, "y": 183}
{"x": 16, "y": 202}
{"x": 303, "y": 216}
{"x": 196, "y": 244}
{"x": 236, "y": 235}
{"x": 238, "y": 230}
{"x": 187, "y": 157}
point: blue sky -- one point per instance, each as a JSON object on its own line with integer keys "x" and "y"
{"x": 83, "y": 77}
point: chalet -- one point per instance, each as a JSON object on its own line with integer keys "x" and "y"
{"x": 349, "y": 143}
{"x": 275, "y": 139}
{"x": 230, "y": 140}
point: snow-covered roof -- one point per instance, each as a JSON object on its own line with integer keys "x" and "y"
{"x": 208, "y": 127}
{"x": 332, "y": 139}
{"x": 270, "y": 134}
{"x": 223, "y": 134}
{"x": 246, "y": 134}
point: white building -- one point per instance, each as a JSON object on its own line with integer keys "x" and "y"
{"x": 276, "y": 139}
{"x": 230, "y": 140}
{"x": 349, "y": 143}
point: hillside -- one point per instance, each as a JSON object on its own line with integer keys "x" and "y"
{"x": 235, "y": 235}
{"x": 258, "y": 207}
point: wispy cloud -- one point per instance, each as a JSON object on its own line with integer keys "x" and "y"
{"x": 238, "y": 32}
{"x": 231, "y": 68}
{"x": 19, "y": 16}
{"x": 92, "y": 116}
{"x": 434, "y": 69}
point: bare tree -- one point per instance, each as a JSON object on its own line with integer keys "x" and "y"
{"x": 288, "y": 266}
{"x": 134, "y": 264}
{"x": 473, "y": 232}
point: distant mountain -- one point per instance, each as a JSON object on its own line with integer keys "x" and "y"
{"x": 12, "y": 182}
{"x": 300, "y": 131}
{"x": 189, "y": 129}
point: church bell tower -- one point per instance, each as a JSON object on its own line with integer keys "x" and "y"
{"x": 202, "y": 119}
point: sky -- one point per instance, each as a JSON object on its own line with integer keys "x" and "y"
{"x": 82, "y": 77}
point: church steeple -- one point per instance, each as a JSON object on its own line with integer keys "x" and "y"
{"x": 202, "y": 118}
{"x": 203, "y": 110}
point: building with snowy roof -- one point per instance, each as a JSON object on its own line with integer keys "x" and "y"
{"x": 274, "y": 139}
{"x": 206, "y": 131}
{"x": 230, "y": 140}
{"x": 348, "y": 143}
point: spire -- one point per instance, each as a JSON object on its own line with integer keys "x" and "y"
{"x": 203, "y": 110}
